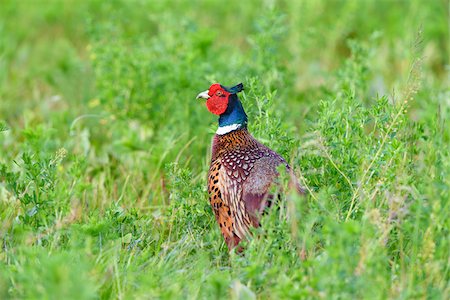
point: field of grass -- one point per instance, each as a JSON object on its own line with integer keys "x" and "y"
{"x": 104, "y": 149}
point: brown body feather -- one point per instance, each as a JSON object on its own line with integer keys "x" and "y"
{"x": 241, "y": 173}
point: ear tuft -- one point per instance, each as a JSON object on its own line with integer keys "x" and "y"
{"x": 237, "y": 88}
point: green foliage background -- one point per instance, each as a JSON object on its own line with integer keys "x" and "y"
{"x": 104, "y": 149}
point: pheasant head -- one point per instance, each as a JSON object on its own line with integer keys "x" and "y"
{"x": 224, "y": 102}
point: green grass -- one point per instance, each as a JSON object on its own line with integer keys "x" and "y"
{"x": 104, "y": 149}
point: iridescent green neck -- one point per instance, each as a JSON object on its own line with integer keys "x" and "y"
{"x": 234, "y": 117}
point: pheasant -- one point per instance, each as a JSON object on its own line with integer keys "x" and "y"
{"x": 242, "y": 169}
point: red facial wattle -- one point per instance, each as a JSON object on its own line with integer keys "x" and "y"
{"x": 217, "y": 103}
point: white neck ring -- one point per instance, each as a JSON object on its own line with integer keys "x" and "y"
{"x": 226, "y": 129}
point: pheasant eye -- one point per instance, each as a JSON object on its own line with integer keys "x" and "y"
{"x": 219, "y": 93}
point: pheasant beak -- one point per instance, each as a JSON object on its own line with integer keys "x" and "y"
{"x": 203, "y": 95}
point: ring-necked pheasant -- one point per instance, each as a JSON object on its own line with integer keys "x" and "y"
{"x": 242, "y": 169}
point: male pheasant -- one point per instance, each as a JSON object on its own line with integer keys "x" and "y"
{"x": 242, "y": 169}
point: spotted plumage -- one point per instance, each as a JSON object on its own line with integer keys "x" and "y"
{"x": 242, "y": 169}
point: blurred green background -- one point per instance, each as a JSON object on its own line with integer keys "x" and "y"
{"x": 104, "y": 149}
